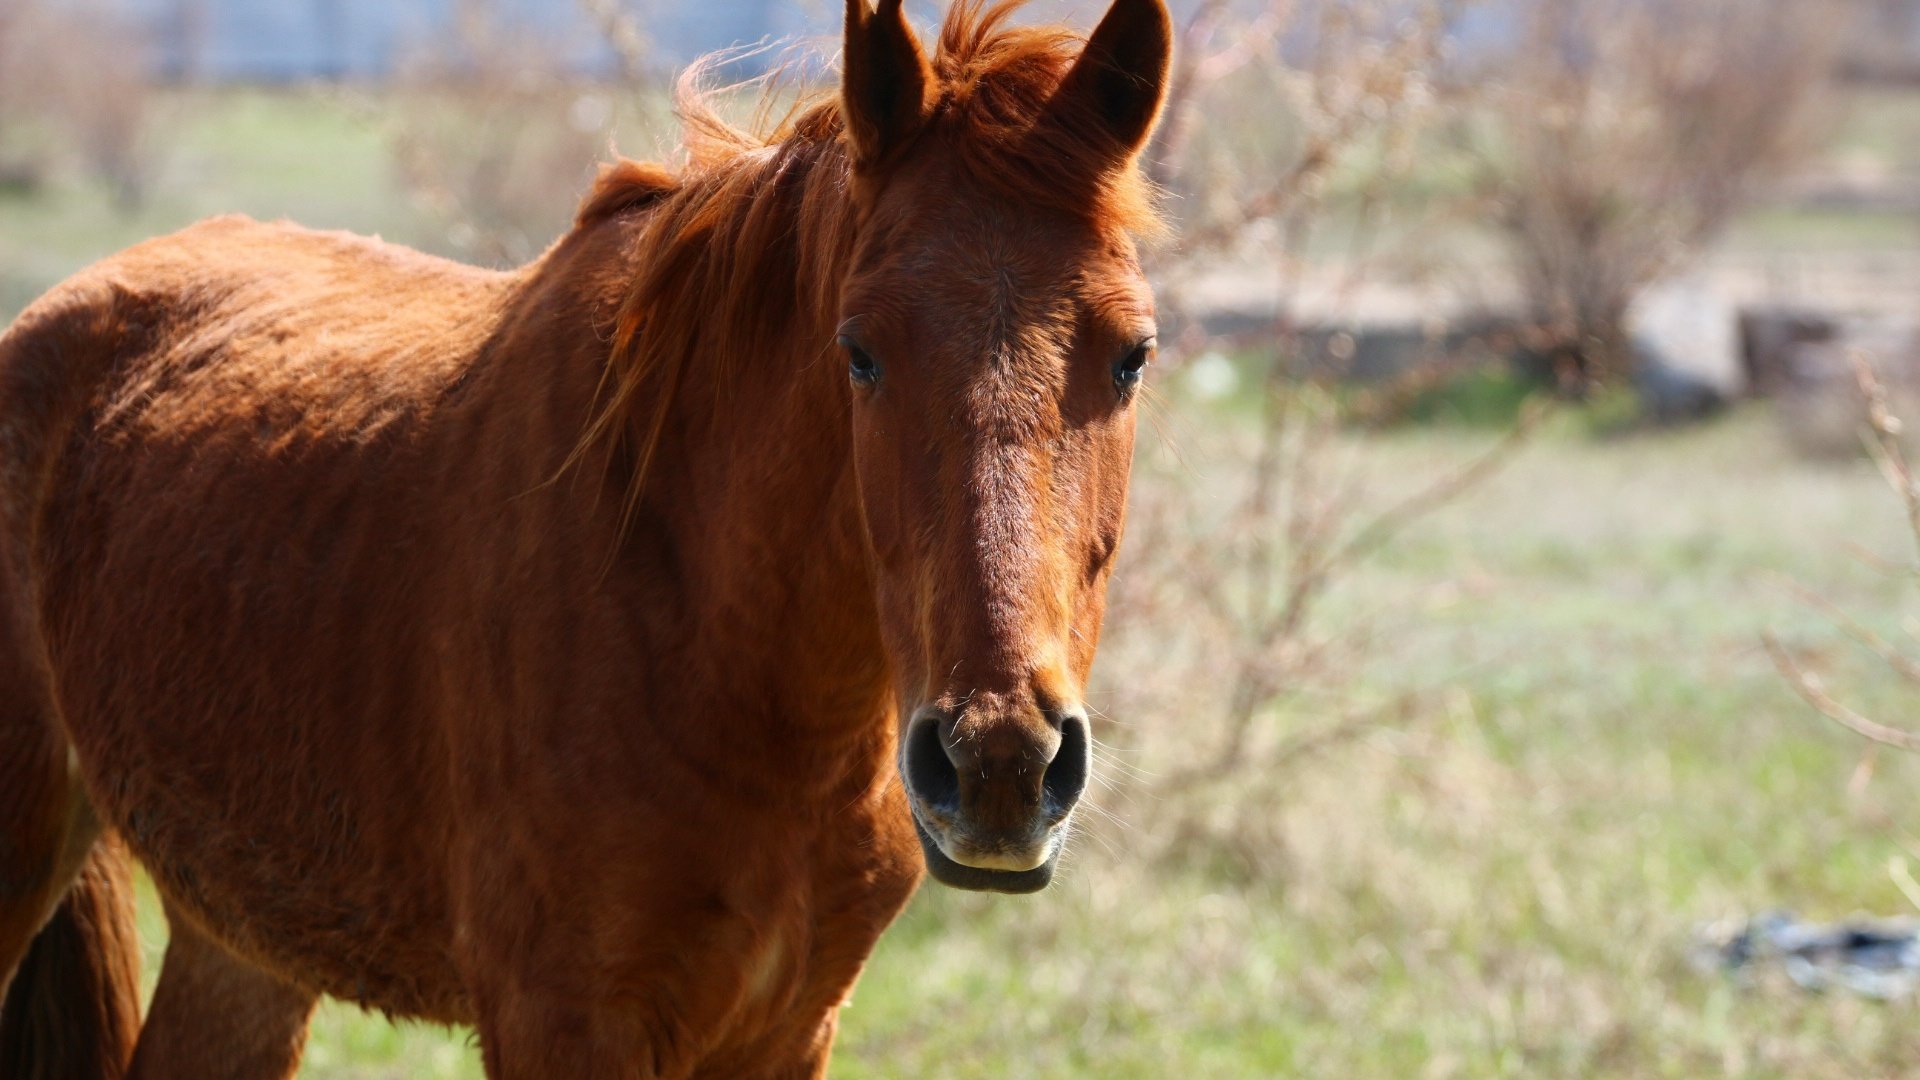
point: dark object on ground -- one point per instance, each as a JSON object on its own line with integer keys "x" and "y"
{"x": 1771, "y": 337}
{"x": 1818, "y": 396}
{"x": 1876, "y": 958}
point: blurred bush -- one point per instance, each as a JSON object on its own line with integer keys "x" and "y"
{"x": 494, "y": 133}
{"x": 496, "y": 130}
{"x": 74, "y": 93}
{"x": 1227, "y": 617}
{"x": 1615, "y": 139}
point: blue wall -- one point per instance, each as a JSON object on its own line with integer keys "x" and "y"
{"x": 286, "y": 40}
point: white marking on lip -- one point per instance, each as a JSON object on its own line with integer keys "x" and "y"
{"x": 1000, "y": 860}
{"x": 1029, "y": 859}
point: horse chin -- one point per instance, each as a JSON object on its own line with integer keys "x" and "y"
{"x": 979, "y": 879}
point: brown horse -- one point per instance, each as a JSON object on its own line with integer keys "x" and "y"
{"x": 541, "y": 650}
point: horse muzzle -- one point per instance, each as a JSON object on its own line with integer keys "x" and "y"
{"x": 991, "y": 797}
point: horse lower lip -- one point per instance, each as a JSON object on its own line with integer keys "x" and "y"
{"x": 977, "y": 879}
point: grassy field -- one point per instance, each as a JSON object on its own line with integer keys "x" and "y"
{"x": 1510, "y": 887}
{"x": 269, "y": 154}
{"x": 1507, "y": 884}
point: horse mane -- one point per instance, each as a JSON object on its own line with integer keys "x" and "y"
{"x": 751, "y": 235}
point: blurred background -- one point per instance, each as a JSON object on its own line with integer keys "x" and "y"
{"x": 1512, "y": 500}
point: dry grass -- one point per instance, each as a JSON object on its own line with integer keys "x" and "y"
{"x": 496, "y": 132}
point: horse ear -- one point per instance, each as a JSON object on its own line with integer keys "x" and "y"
{"x": 885, "y": 81}
{"x": 1121, "y": 77}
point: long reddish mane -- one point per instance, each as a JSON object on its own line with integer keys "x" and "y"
{"x": 746, "y": 243}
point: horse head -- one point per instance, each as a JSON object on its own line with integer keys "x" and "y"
{"x": 996, "y": 328}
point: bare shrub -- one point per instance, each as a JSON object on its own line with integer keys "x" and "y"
{"x": 1886, "y": 443}
{"x": 1221, "y": 623}
{"x": 1241, "y": 659}
{"x": 19, "y": 167}
{"x": 74, "y": 89}
{"x": 626, "y": 38}
{"x": 1314, "y": 111}
{"x": 107, "y": 109}
{"x": 1615, "y": 139}
{"x": 497, "y": 133}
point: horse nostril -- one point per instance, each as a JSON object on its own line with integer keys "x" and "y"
{"x": 1066, "y": 777}
{"x": 931, "y": 777}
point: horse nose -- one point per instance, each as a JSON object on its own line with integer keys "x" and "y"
{"x": 1066, "y": 776}
{"x": 997, "y": 777}
{"x": 933, "y": 777}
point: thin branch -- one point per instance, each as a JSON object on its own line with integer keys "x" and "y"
{"x": 1390, "y": 522}
{"x": 621, "y": 31}
{"x": 1807, "y": 685}
{"x": 1888, "y": 452}
{"x": 1296, "y": 749}
{"x": 1906, "y": 666}
{"x": 1302, "y": 746}
{"x": 1874, "y": 560}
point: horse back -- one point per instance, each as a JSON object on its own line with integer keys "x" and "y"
{"x": 225, "y": 481}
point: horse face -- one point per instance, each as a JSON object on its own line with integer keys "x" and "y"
{"x": 995, "y": 363}
{"x": 994, "y": 355}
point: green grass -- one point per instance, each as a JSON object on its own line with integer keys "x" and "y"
{"x": 271, "y": 154}
{"x": 1484, "y": 396}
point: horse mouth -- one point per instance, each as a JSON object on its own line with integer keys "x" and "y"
{"x": 978, "y": 878}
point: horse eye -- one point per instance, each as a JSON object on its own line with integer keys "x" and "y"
{"x": 860, "y": 366}
{"x": 1128, "y": 372}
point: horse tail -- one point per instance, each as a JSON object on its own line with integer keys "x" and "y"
{"x": 69, "y": 958}
{"x": 73, "y": 1009}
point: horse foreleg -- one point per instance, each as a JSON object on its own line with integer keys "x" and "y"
{"x": 812, "y": 1062}
{"x": 531, "y": 1037}
{"x": 214, "y": 1014}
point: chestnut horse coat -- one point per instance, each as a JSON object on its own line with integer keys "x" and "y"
{"x": 315, "y": 598}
